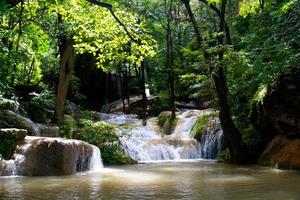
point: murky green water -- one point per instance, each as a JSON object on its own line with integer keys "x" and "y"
{"x": 201, "y": 180}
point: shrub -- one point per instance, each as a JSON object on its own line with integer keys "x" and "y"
{"x": 10, "y": 138}
{"x": 104, "y": 136}
{"x": 45, "y": 99}
{"x": 224, "y": 156}
{"x": 68, "y": 127}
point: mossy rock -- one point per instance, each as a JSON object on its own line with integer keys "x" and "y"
{"x": 37, "y": 112}
{"x": 164, "y": 116}
{"x": 169, "y": 126}
{"x": 10, "y": 138}
{"x": 8, "y": 104}
{"x": 202, "y": 124}
{"x": 224, "y": 156}
{"x": 112, "y": 155}
{"x": 12, "y": 119}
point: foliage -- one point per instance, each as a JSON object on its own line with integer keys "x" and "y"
{"x": 68, "y": 128}
{"x": 8, "y": 104}
{"x": 40, "y": 107}
{"x": 46, "y": 99}
{"x": 104, "y": 136}
{"x": 9, "y": 141}
{"x": 166, "y": 123}
{"x": 224, "y": 156}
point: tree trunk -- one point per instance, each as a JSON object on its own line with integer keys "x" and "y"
{"x": 230, "y": 16}
{"x": 193, "y": 20}
{"x": 18, "y": 40}
{"x": 170, "y": 61}
{"x": 66, "y": 68}
{"x": 66, "y": 52}
{"x": 233, "y": 136}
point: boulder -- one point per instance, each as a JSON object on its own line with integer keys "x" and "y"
{"x": 282, "y": 152}
{"x": 35, "y": 129}
{"x": 72, "y": 109}
{"x": 8, "y": 104}
{"x": 40, "y": 156}
{"x": 7, "y": 167}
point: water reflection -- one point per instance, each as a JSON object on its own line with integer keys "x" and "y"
{"x": 202, "y": 180}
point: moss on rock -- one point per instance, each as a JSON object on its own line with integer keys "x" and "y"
{"x": 8, "y": 104}
{"x": 201, "y": 125}
{"x": 165, "y": 122}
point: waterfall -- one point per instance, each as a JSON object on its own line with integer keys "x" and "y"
{"x": 146, "y": 143}
{"x": 96, "y": 161}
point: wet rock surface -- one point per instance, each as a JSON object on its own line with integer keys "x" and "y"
{"x": 282, "y": 152}
{"x": 40, "y": 156}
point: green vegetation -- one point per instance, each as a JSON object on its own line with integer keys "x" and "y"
{"x": 224, "y": 156}
{"x": 201, "y": 125}
{"x": 228, "y": 55}
{"x": 9, "y": 141}
{"x": 166, "y": 123}
{"x": 104, "y": 136}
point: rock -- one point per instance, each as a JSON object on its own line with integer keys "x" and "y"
{"x": 8, "y": 104}
{"x": 282, "y": 152}
{"x": 10, "y": 138}
{"x": 73, "y": 109}
{"x": 36, "y": 129}
{"x": 41, "y": 156}
{"x": 7, "y": 167}
{"x": 280, "y": 111}
{"x": 167, "y": 114}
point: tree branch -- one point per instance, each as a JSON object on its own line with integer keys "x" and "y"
{"x": 218, "y": 12}
{"x": 110, "y": 8}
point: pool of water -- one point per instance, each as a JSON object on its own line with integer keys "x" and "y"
{"x": 169, "y": 180}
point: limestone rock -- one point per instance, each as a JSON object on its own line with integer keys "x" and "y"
{"x": 282, "y": 152}
{"x": 41, "y": 156}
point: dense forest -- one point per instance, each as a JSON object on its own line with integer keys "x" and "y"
{"x": 217, "y": 79}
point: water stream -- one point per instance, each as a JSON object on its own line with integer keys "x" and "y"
{"x": 147, "y": 143}
{"x": 202, "y": 180}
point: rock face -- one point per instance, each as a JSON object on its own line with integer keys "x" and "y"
{"x": 282, "y": 152}
{"x": 280, "y": 111}
{"x": 35, "y": 129}
{"x": 40, "y": 156}
{"x": 278, "y": 119}
{"x": 212, "y": 139}
{"x": 7, "y": 104}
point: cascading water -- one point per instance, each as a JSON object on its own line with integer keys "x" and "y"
{"x": 146, "y": 143}
{"x": 96, "y": 161}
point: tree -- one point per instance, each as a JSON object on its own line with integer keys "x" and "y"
{"x": 101, "y": 45}
{"x": 218, "y": 71}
